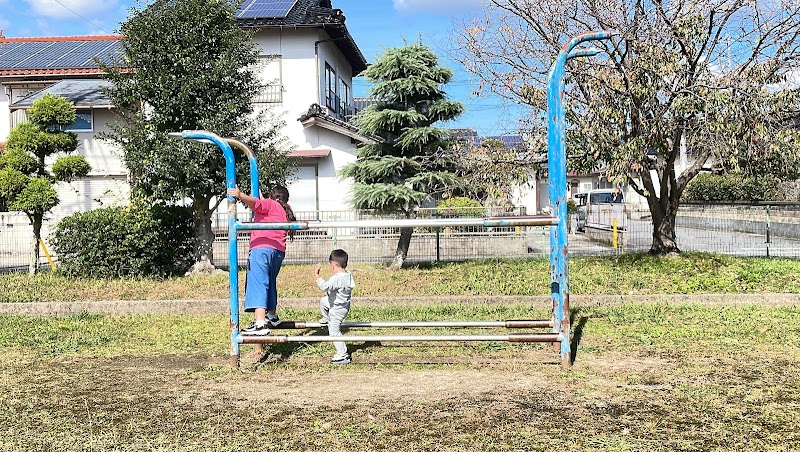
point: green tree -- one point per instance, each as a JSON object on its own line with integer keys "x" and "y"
{"x": 188, "y": 65}
{"x": 25, "y": 182}
{"x": 493, "y": 173}
{"x": 405, "y": 168}
{"x": 686, "y": 85}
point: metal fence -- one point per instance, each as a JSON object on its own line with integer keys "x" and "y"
{"x": 741, "y": 230}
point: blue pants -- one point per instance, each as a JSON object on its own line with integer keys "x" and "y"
{"x": 261, "y": 290}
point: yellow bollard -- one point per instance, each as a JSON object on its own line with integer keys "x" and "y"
{"x": 49, "y": 259}
{"x": 615, "y": 233}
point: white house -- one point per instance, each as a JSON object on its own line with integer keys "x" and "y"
{"x": 310, "y": 61}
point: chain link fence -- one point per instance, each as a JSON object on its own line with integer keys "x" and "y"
{"x": 740, "y": 230}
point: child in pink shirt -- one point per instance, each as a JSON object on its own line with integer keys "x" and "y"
{"x": 267, "y": 250}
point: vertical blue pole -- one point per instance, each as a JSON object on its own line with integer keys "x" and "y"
{"x": 233, "y": 250}
{"x": 557, "y": 188}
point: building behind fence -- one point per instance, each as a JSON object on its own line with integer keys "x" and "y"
{"x": 741, "y": 230}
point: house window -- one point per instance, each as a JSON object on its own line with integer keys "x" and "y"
{"x": 270, "y": 74}
{"x": 331, "y": 99}
{"x": 344, "y": 104}
{"x": 83, "y": 121}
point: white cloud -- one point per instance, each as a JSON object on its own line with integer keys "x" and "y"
{"x": 450, "y": 6}
{"x": 61, "y": 9}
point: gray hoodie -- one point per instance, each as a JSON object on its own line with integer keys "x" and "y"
{"x": 339, "y": 287}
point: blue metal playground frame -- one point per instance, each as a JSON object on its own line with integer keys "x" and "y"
{"x": 559, "y": 274}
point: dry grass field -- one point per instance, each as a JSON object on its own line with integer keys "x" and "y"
{"x": 646, "y": 377}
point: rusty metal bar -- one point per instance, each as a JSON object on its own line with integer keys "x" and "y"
{"x": 279, "y": 339}
{"x": 538, "y": 220}
{"x": 292, "y": 325}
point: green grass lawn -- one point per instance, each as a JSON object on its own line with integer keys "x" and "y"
{"x": 646, "y": 377}
{"x": 614, "y": 275}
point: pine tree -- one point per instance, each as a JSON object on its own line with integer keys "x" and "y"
{"x": 405, "y": 168}
{"x": 26, "y": 183}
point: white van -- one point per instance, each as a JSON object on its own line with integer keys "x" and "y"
{"x": 599, "y": 209}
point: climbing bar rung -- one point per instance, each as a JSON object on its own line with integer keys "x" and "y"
{"x": 276, "y": 339}
{"x": 292, "y": 325}
{"x": 531, "y": 220}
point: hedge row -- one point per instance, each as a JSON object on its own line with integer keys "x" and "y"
{"x": 125, "y": 242}
{"x": 732, "y": 187}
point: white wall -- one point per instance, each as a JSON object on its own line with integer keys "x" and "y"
{"x": 302, "y": 77}
{"x": 298, "y": 75}
{"x": 5, "y": 114}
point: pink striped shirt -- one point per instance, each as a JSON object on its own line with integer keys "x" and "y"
{"x": 268, "y": 211}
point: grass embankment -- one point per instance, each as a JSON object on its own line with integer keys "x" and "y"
{"x": 646, "y": 377}
{"x": 613, "y": 275}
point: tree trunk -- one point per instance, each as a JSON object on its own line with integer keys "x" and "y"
{"x": 664, "y": 231}
{"x": 204, "y": 238}
{"x": 36, "y": 222}
{"x": 401, "y": 253}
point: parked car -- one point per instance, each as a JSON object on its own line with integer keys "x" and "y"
{"x": 599, "y": 209}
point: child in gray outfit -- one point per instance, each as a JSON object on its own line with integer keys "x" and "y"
{"x": 335, "y": 305}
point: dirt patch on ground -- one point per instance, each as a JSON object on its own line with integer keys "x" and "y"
{"x": 305, "y": 382}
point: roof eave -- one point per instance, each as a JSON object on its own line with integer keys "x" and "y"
{"x": 341, "y": 35}
{"x": 333, "y": 126}
{"x": 75, "y": 106}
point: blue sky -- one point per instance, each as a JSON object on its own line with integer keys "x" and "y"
{"x": 375, "y": 24}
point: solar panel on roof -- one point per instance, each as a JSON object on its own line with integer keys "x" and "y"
{"x": 45, "y": 57}
{"x": 22, "y": 52}
{"x": 265, "y": 9}
{"x": 81, "y": 55}
{"x": 7, "y": 49}
{"x": 55, "y": 54}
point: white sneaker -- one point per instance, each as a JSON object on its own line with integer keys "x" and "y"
{"x": 255, "y": 330}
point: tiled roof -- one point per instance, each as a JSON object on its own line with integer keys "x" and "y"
{"x": 317, "y": 14}
{"x": 76, "y": 54}
{"x": 82, "y": 94}
{"x": 56, "y": 55}
{"x": 317, "y": 115}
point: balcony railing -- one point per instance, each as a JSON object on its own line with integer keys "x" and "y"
{"x": 271, "y": 94}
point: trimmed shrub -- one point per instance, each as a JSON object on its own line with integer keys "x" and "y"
{"x": 731, "y": 187}
{"x": 70, "y": 167}
{"x": 458, "y": 206}
{"x": 572, "y": 207}
{"x": 125, "y": 242}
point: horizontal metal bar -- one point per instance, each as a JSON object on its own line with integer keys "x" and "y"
{"x": 537, "y": 220}
{"x": 270, "y": 226}
{"x": 275, "y": 339}
{"x": 290, "y": 325}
